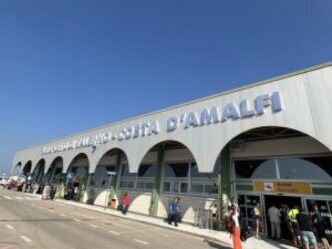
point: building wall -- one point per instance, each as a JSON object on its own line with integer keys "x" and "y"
{"x": 189, "y": 206}
{"x": 306, "y": 105}
{"x": 276, "y": 147}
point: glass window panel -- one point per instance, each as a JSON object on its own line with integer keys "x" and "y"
{"x": 140, "y": 185}
{"x": 125, "y": 171}
{"x": 176, "y": 187}
{"x": 176, "y": 170}
{"x": 149, "y": 185}
{"x": 195, "y": 174}
{"x": 167, "y": 186}
{"x": 58, "y": 177}
{"x": 130, "y": 184}
{"x": 305, "y": 168}
{"x": 211, "y": 189}
{"x": 101, "y": 178}
{"x": 264, "y": 169}
{"x": 197, "y": 188}
{"x": 184, "y": 187}
{"x": 147, "y": 170}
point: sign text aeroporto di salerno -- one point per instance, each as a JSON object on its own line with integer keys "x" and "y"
{"x": 214, "y": 115}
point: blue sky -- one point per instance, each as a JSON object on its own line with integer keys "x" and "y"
{"x": 67, "y": 66}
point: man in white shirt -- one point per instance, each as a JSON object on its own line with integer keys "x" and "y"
{"x": 274, "y": 216}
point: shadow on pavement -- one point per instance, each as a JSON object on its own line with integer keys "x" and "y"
{"x": 214, "y": 244}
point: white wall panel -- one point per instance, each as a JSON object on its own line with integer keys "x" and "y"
{"x": 307, "y": 103}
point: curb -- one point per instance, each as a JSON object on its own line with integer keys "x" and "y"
{"x": 171, "y": 227}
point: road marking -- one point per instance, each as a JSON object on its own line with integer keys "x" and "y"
{"x": 40, "y": 207}
{"x": 9, "y": 227}
{"x": 164, "y": 234}
{"x": 141, "y": 241}
{"x": 63, "y": 215}
{"x": 113, "y": 232}
{"x": 77, "y": 220}
{"x": 25, "y": 238}
{"x": 7, "y": 197}
{"x": 94, "y": 226}
{"x": 33, "y": 205}
{"x": 17, "y": 197}
{"x": 51, "y": 211}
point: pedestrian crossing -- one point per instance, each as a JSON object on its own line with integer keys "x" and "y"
{"x": 6, "y": 197}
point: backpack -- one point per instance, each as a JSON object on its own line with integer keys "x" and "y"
{"x": 229, "y": 226}
{"x": 246, "y": 232}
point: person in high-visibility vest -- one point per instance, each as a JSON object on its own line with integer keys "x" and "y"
{"x": 294, "y": 226}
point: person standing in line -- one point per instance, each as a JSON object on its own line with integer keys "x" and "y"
{"x": 274, "y": 217}
{"x": 125, "y": 203}
{"x": 294, "y": 226}
{"x": 285, "y": 221}
{"x": 234, "y": 214}
{"x": 175, "y": 211}
{"x": 53, "y": 190}
{"x": 319, "y": 227}
{"x": 257, "y": 213}
{"x": 308, "y": 236}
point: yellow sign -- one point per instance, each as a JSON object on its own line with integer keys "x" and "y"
{"x": 283, "y": 187}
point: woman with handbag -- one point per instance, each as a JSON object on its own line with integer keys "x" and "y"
{"x": 236, "y": 234}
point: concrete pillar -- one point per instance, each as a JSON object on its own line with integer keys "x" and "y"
{"x": 225, "y": 183}
{"x": 158, "y": 182}
{"x": 114, "y": 183}
{"x": 52, "y": 175}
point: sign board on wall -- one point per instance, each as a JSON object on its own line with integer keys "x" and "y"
{"x": 214, "y": 115}
{"x": 283, "y": 187}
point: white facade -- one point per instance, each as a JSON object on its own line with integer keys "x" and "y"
{"x": 306, "y": 106}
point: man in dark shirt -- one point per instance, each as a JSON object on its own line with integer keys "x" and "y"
{"x": 306, "y": 232}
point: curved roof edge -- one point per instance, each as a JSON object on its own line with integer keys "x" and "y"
{"x": 250, "y": 85}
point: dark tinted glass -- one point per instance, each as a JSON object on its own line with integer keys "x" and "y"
{"x": 260, "y": 168}
{"x": 176, "y": 170}
{"x": 147, "y": 170}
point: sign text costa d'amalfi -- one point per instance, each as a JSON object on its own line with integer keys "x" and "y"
{"x": 207, "y": 116}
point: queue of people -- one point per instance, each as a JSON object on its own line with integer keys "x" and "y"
{"x": 306, "y": 230}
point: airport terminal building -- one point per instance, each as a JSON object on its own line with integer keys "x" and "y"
{"x": 268, "y": 142}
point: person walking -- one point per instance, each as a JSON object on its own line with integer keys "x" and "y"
{"x": 258, "y": 215}
{"x": 174, "y": 212}
{"x": 274, "y": 217}
{"x": 236, "y": 234}
{"x": 319, "y": 227}
{"x": 125, "y": 203}
{"x": 307, "y": 234}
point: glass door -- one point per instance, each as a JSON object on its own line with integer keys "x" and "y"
{"x": 325, "y": 208}
{"x": 247, "y": 204}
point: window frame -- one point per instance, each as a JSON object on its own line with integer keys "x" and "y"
{"x": 189, "y": 181}
{"x": 299, "y": 156}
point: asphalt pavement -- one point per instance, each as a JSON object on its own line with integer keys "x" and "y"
{"x": 28, "y": 222}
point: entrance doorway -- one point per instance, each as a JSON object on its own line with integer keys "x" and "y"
{"x": 280, "y": 202}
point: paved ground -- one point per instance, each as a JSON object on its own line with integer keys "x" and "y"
{"x": 27, "y": 222}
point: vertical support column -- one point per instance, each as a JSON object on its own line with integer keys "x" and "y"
{"x": 84, "y": 195}
{"x": 53, "y": 172}
{"x": 158, "y": 181}
{"x": 225, "y": 183}
{"x": 114, "y": 183}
